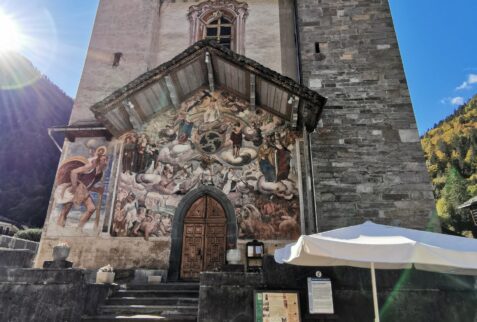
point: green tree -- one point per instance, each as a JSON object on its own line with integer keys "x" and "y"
{"x": 33, "y": 234}
{"x": 454, "y": 194}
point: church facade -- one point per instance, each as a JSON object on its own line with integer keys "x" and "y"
{"x": 202, "y": 125}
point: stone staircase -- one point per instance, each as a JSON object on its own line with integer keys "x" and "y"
{"x": 150, "y": 302}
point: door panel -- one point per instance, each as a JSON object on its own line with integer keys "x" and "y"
{"x": 197, "y": 210}
{"x": 204, "y": 238}
{"x": 214, "y": 246}
{"x": 215, "y": 211}
{"x": 192, "y": 251}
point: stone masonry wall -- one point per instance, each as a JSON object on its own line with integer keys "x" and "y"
{"x": 368, "y": 163}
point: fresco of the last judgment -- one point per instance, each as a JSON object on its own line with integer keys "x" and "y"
{"x": 212, "y": 139}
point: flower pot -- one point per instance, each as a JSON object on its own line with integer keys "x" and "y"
{"x": 60, "y": 253}
{"x": 233, "y": 256}
{"x": 105, "y": 277}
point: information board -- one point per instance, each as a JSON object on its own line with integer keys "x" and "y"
{"x": 320, "y": 296}
{"x": 277, "y": 306}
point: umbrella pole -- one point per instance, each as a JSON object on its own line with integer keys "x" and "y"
{"x": 375, "y": 293}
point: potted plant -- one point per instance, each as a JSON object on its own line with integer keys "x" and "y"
{"x": 61, "y": 251}
{"x": 233, "y": 256}
{"x": 105, "y": 275}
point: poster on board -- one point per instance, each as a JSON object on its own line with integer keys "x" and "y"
{"x": 320, "y": 296}
{"x": 277, "y": 306}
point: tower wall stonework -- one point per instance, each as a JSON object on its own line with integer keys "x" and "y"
{"x": 367, "y": 159}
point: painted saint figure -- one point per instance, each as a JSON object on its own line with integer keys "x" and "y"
{"x": 212, "y": 113}
{"x": 75, "y": 180}
{"x": 129, "y": 154}
{"x": 283, "y": 157}
{"x": 236, "y": 137}
{"x": 266, "y": 157}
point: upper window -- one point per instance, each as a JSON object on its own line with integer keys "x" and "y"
{"x": 222, "y": 21}
{"x": 220, "y": 30}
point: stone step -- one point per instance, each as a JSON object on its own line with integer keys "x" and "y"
{"x": 139, "y": 318}
{"x": 163, "y": 286}
{"x": 155, "y": 293}
{"x": 148, "y": 309}
{"x": 152, "y": 301}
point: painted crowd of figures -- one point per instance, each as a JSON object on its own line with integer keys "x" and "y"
{"x": 213, "y": 139}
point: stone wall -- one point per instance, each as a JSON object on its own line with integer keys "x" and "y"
{"x": 47, "y": 295}
{"x": 95, "y": 252}
{"x": 368, "y": 163}
{"x": 403, "y": 295}
{"x": 22, "y": 258}
{"x": 121, "y": 26}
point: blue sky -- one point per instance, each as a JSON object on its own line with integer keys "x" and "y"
{"x": 58, "y": 33}
{"x": 438, "y": 42}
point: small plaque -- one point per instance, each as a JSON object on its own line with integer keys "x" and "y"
{"x": 271, "y": 306}
{"x": 320, "y": 296}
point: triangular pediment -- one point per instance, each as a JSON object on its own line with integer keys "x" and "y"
{"x": 206, "y": 66}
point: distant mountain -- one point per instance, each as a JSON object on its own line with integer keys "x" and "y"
{"x": 451, "y": 153}
{"x": 29, "y": 105}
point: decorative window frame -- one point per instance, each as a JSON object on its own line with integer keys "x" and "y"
{"x": 202, "y": 14}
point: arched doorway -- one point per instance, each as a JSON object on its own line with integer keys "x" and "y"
{"x": 204, "y": 239}
{"x": 204, "y": 227}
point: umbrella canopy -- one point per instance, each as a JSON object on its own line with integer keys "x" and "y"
{"x": 387, "y": 247}
{"x": 373, "y": 246}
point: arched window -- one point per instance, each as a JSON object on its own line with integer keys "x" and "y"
{"x": 220, "y": 30}
{"x": 223, "y": 21}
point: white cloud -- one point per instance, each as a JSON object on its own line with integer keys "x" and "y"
{"x": 462, "y": 86}
{"x": 471, "y": 79}
{"x": 457, "y": 100}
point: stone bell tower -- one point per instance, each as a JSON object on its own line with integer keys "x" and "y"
{"x": 367, "y": 158}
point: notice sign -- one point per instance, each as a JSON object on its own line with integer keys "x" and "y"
{"x": 276, "y": 306}
{"x": 320, "y": 296}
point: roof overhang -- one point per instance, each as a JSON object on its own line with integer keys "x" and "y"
{"x": 210, "y": 66}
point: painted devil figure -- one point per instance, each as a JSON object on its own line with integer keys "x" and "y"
{"x": 77, "y": 177}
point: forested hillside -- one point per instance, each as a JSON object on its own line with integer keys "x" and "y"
{"x": 29, "y": 104}
{"x": 451, "y": 157}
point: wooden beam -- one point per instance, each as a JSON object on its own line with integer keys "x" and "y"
{"x": 134, "y": 117}
{"x": 210, "y": 71}
{"x": 252, "y": 91}
{"x": 294, "y": 100}
{"x": 172, "y": 91}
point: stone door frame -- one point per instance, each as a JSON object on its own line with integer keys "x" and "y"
{"x": 178, "y": 224}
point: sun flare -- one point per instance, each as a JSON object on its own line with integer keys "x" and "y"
{"x": 10, "y": 35}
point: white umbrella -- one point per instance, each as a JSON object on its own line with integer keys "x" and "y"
{"x": 373, "y": 246}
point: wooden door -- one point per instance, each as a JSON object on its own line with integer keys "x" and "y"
{"x": 203, "y": 242}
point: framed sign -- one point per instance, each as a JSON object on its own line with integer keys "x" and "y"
{"x": 276, "y": 306}
{"x": 320, "y": 296}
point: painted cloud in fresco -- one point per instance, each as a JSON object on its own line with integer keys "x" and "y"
{"x": 212, "y": 139}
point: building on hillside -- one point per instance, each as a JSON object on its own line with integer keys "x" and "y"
{"x": 204, "y": 125}
{"x": 9, "y": 227}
